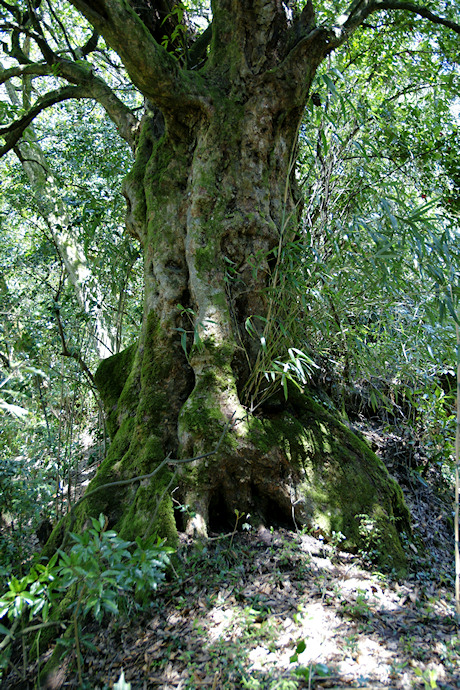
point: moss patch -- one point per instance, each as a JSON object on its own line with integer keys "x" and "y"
{"x": 132, "y": 385}
{"x": 110, "y": 379}
{"x": 343, "y": 486}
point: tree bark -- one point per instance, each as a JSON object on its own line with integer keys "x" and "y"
{"x": 212, "y": 200}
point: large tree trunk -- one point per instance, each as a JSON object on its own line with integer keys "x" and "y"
{"x": 211, "y": 199}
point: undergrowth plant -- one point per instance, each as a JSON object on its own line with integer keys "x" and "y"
{"x": 25, "y": 492}
{"x": 101, "y": 575}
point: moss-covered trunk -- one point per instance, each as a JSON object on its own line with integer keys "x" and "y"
{"x": 211, "y": 199}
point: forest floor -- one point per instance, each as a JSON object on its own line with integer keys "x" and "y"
{"x": 276, "y": 610}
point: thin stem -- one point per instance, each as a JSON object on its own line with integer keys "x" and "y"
{"x": 77, "y": 639}
{"x": 125, "y": 482}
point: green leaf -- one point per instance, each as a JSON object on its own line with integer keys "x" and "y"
{"x": 285, "y": 386}
{"x": 301, "y": 647}
{"x": 303, "y": 671}
{"x": 330, "y": 84}
{"x": 3, "y": 630}
{"x": 110, "y": 606}
{"x": 322, "y": 670}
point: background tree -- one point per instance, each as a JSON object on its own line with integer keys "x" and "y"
{"x": 214, "y": 202}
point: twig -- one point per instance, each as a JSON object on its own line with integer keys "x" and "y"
{"x": 142, "y": 477}
{"x": 40, "y": 626}
{"x": 4, "y": 643}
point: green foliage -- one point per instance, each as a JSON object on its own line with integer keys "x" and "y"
{"x": 369, "y": 289}
{"x": 31, "y": 594}
{"x": 360, "y": 608}
{"x": 178, "y": 34}
{"x": 25, "y": 490}
{"x": 194, "y": 335}
{"x": 315, "y": 671}
{"x": 428, "y": 678}
{"x": 301, "y": 647}
{"x": 369, "y": 286}
{"x": 108, "y": 568}
{"x": 372, "y": 538}
{"x": 47, "y": 403}
{"x": 104, "y": 574}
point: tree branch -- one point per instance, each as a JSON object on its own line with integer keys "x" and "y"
{"x": 16, "y": 50}
{"x": 416, "y": 9}
{"x": 155, "y": 72}
{"x": 15, "y": 11}
{"x": 90, "y": 45}
{"x": 15, "y": 130}
{"x": 87, "y": 85}
{"x": 361, "y": 9}
{"x": 97, "y": 88}
{"x": 33, "y": 69}
{"x": 197, "y": 52}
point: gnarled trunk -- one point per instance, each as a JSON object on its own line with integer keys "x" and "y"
{"x": 212, "y": 199}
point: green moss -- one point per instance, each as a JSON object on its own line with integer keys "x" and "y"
{"x": 343, "y": 484}
{"x": 118, "y": 448}
{"x": 164, "y": 179}
{"x": 155, "y": 368}
{"x": 202, "y": 414}
{"x": 133, "y": 387}
{"x": 149, "y": 514}
{"x": 155, "y": 359}
{"x": 205, "y": 259}
{"x": 110, "y": 379}
{"x": 201, "y": 418}
{"x": 134, "y": 180}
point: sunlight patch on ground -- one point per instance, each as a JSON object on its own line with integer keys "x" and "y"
{"x": 318, "y": 627}
{"x": 372, "y": 660}
{"x": 222, "y": 622}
